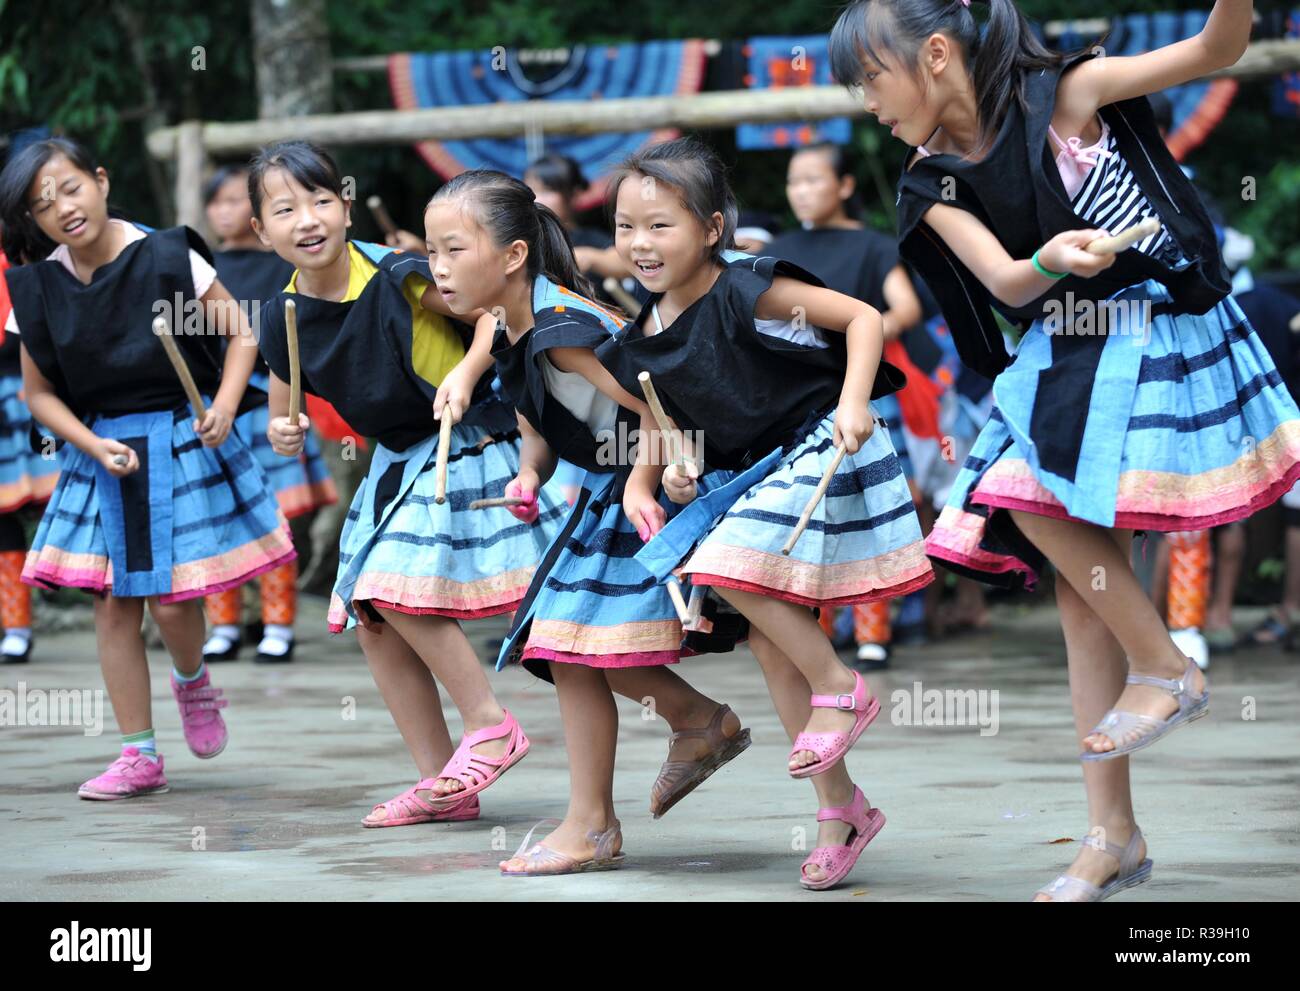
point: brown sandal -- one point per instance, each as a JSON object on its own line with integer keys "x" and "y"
{"x": 678, "y": 778}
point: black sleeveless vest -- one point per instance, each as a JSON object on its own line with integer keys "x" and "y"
{"x": 1016, "y": 191}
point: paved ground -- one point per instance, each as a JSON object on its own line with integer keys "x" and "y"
{"x": 971, "y": 817}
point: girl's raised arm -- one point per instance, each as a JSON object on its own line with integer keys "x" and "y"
{"x": 1101, "y": 81}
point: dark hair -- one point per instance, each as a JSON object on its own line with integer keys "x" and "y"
{"x": 220, "y": 177}
{"x": 996, "y": 56}
{"x": 508, "y": 210}
{"x": 842, "y": 166}
{"x": 695, "y": 170}
{"x": 559, "y": 173}
{"x": 309, "y": 164}
{"x": 22, "y": 238}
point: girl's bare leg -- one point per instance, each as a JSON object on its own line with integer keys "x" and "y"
{"x": 789, "y": 690}
{"x": 182, "y": 627}
{"x": 122, "y": 659}
{"x": 796, "y": 634}
{"x": 442, "y": 645}
{"x": 1097, "y": 569}
{"x": 680, "y": 704}
{"x": 1097, "y": 670}
{"x": 411, "y": 694}
{"x": 591, "y": 738}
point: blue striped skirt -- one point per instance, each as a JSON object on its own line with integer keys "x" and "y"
{"x": 891, "y": 414}
{"x": 862, "y": 543}
{"x": 400, "y": 550}
{"x": 300, "y": 484}
{"x": 592, "y": 603}
{"x": 1169, "y": 422}
{"x": 191, "y": 521}
{"x": 25, "y": 476}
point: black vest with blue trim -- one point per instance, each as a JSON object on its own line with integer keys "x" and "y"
{"x": 746, "y": 392}
{"x": 562, "y": 319}
{"x": 356, "y": 355}
{"x": 95, "y": 343}
{"x": 1016, "y": 191}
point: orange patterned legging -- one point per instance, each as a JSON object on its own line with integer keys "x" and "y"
{"x": 870, "y": 622}
{"x": 279, "y": 599}
{"x": 15, "y": 597}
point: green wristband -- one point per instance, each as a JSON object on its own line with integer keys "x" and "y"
{"x": 1047, "y": 272}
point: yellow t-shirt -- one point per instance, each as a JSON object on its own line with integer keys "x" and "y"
{"x": 435, "y": 345}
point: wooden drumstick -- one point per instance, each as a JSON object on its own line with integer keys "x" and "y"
{"x": 620, "y": 295}
{"x": 665, "y": 425}
{"x": 816, "y": 498}
{"x": 295, "y": 366}
{"x": 380, "y": 213}
{"x": 164, "y": 334}
{"x": 444, "y": 449}
{"x": 695, "y": 607}
{"x": 1124, "y": 239}
{"x": 679, "y": 603}
{"x": 493, "y": 503}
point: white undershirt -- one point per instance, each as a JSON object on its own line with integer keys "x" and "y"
{"x": 576, "y": 394}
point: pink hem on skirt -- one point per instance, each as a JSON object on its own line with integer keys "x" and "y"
{"x": 433, "y": 611}
{"x": 1151, "y": 521}
{"x": 893, "y": 592}
{"x": 642, "y": 659}
{"x": 89, "y": 584}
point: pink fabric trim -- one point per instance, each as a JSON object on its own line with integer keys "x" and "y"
{"x": 261, "y": 569}
{"x": 892, "y": 592}
{"x": 1161, "y": 522}
{"x": 639, "y": 660}
{"x": 337, "y": 627}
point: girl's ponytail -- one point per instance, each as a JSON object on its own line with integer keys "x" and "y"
{"x": 555, "y": 254}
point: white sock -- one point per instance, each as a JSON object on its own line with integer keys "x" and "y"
{"x": 221, "y": 639}
{"x": 276, "y": 640}
{"x": 16, "y": 640}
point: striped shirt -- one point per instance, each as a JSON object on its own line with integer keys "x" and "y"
{"x": 1104, "y": 192}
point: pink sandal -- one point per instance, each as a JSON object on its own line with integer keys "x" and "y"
{"x": 408, "y": 809}
{"x": 837, "y": 861}
{"x": 475, "y": 771}
{"x": 830, "y": 747}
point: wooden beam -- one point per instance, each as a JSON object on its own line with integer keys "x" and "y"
{"x": 512, "y": 119}
{"x": 191, "y": 168}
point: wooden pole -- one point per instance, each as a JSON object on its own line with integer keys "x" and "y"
{"x": 661, "y": 418}
{"x": 164, "y": 334}
{"x": 494, "y": 503}
{"x": 699, "y": 111}
{"x": 295, "y": 366}
{"x": 381, "y": 215}
{"x": 1124, "y": 239}
{"x": 816, "y": 498}
{"x": 191, "y": 164}
{"x": 444, "y": 451}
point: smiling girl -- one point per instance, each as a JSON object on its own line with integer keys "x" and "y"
{"x": 152, "y": 504}
{"x": 777, "y": 372}
{"x": 255, "y": 276}
{"x": 375, "y": 342}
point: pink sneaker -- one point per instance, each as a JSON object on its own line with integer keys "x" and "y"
{"x": 129, "y": 776}
{"x": 205, "y": 730}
